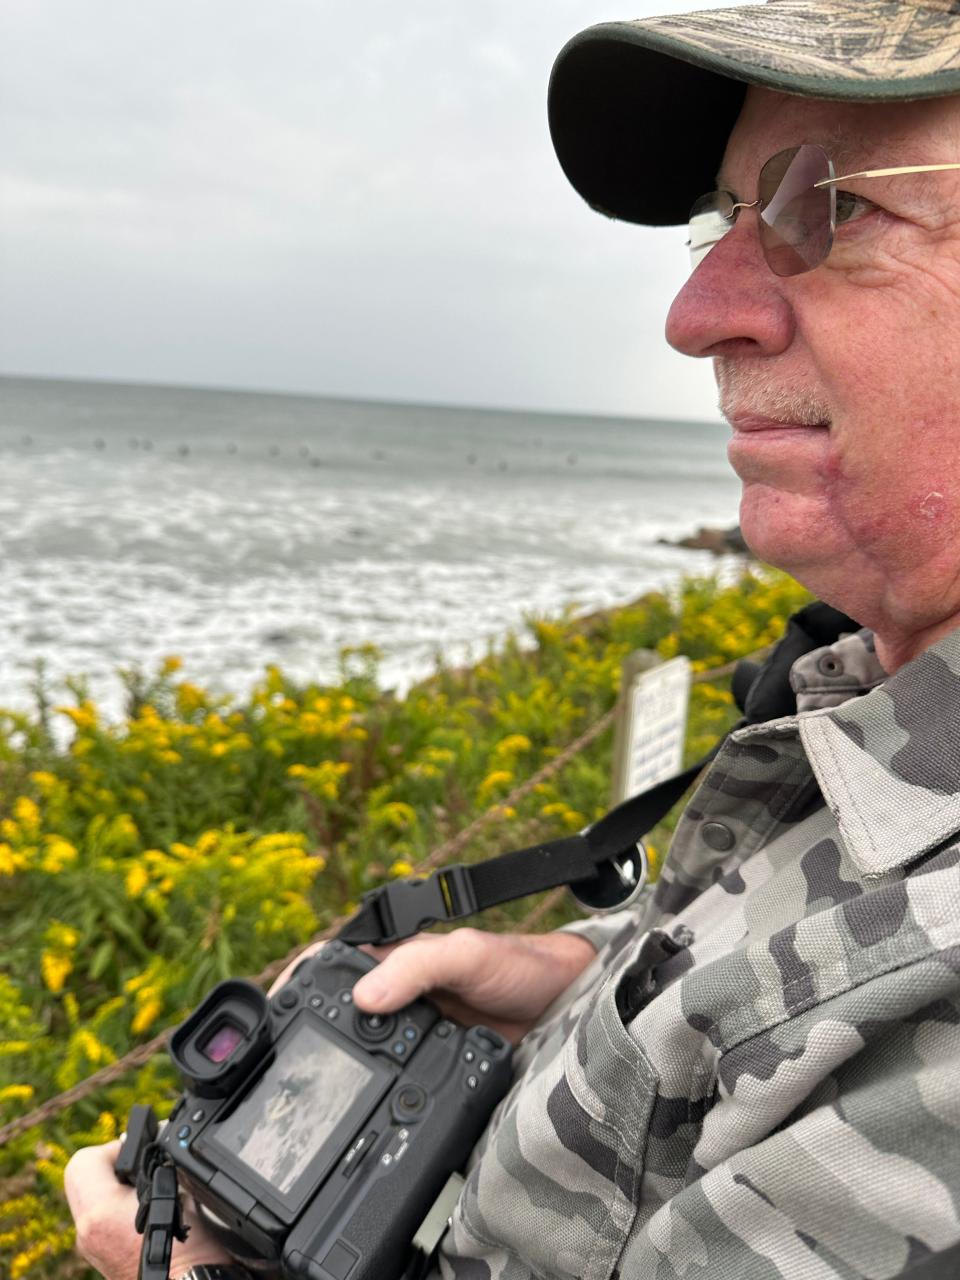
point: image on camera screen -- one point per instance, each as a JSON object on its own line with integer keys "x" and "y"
{"x": 295, "y": 1106}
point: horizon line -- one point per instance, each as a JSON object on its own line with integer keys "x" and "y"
{"x": 213, "y": 388}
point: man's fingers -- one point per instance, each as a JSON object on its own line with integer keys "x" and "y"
{"x": 88, "y": 1167}
{"x": 448, "y": 961}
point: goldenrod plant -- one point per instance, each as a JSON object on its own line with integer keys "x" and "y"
{"x": 203, "y": 836}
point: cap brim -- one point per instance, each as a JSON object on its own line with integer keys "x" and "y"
{"x": 640, "y": 111}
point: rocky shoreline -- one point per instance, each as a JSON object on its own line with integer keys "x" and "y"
{"x": 718, "y": 541}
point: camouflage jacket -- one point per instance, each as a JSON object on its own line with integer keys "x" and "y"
{"x": 759, "y": 1076}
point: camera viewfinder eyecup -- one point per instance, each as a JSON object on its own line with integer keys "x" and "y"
{"x": 222, "y": 1040}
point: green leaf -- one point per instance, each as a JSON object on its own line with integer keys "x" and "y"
{"x": 101, "y": 959}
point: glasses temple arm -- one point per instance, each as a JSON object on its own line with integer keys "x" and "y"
{"x": 886, "y": 173}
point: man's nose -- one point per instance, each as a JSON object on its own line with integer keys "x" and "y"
{"x": 733, "y": 304}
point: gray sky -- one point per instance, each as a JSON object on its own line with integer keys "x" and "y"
{"x": 350, "y": 197}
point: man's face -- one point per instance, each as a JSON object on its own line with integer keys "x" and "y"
{"x": 842, "y": 385}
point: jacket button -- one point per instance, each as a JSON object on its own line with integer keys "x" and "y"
{"x": 718, "y": 836}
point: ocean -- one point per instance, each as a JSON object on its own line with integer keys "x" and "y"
{"x": 234, "y": 529}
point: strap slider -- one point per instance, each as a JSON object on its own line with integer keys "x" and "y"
{"x": 159, "y": 1220}
{"x": 407, "y": 906}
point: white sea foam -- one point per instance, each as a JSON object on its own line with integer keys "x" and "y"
{"x": 422, "y": 531}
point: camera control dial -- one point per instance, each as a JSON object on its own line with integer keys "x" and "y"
{"x": 375, "y": 1026}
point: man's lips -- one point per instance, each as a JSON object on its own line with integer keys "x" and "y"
{"x": 748, "y": 423}
{"x": 770, "y": 450}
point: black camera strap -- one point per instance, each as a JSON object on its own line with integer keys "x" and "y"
{"x": 146, "y": 1165}
{"x": 159, "y": 1213}
{"x": 401, "y": 909}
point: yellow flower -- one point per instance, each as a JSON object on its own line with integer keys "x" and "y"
{"x": 83, "y": 716}
{"x": 27, "y": 814}
{"x": 136, "y": 881}
{"x": 401, "y": 868}
{"x": 190, "y": 698}
{"x": 146, "y": 1016}
{"x": 395, "y": 814}
{"x": 493, "y": 782}
{"x": 59, "y": 853}
{"x": 17, "y": 1093}
{"x": 55, "y": 969}
{"x": 11, "y": 861}
{"x": 25, "y": 1259}
{"x": 322, "y": 780}
{"x": 46, "y": 782}
{"x": 61, "y": 936}
{"x": 10, "y": 1047}
{"x": 170, "y": 665}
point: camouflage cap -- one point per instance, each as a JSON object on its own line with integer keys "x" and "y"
{"x": 640, "y": 111}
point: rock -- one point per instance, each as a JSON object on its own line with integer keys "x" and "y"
{"x": 718, "y": 541}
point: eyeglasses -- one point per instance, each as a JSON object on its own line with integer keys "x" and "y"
{"x": 797, "y": 207}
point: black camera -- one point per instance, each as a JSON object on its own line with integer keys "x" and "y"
{"x": 316, "y": 1138}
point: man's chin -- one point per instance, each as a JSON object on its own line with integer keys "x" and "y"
{"x": 784, "y": 529}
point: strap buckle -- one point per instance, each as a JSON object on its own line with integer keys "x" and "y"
{"x": 407, "y": 906}
{"x": 160, "y": 1221}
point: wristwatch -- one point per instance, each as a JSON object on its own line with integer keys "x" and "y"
{"x": 216, "y": 1271}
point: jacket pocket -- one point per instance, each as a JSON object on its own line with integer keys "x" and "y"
{"x": 556, "y": 1185}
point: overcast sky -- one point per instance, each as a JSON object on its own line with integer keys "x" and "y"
{"x": 349, "y": 197}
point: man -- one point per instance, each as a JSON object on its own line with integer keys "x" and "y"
{"x": 758, "y": 1075}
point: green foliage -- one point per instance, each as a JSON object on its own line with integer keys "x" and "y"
{"x": 204, "y": 836}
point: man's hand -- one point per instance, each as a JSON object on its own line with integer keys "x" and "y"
{"x": 104, "y": 1211}
{"x": 504, "y": 980}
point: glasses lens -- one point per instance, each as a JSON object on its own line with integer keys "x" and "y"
{"x": 710, "y": 220}
{"x": 797, "y": 218}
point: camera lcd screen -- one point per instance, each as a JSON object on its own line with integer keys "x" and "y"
{"x": 294, "y": 1107}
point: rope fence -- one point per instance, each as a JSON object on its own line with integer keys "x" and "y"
{"x": 442, "y": 854}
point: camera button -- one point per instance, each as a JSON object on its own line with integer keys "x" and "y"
{"x": 198, "y": 1115}
{"x": 444, "y": 1029}
{"x": 316, "y": 1002}
{"x": 472, "y": 1082}
{"x": 410, "y": 1033}
{"x": 287, "y": 998}
{"x": 345, "y": 997}
{"x": 409, "y": 1102}
{"x": 399, "y": 1048}
{"x": 184, "y": 1132}
{"x": 375, "y": 1026}
{"x": 484, "y": 1066}
{"x": 333, "y": 1013}
{"x": 469, "y": 1055}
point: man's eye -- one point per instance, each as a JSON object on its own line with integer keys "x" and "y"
{"x": 850, "y": 206}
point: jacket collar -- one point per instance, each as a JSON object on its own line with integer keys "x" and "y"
{"x": 887, "y": 754}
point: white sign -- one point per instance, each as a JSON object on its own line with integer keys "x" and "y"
{"x": 656, "y": 711}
